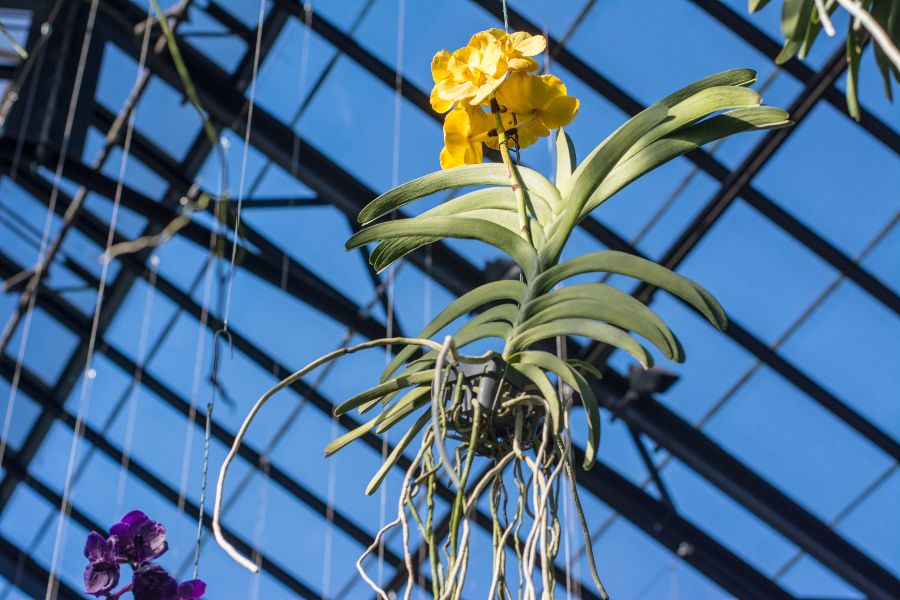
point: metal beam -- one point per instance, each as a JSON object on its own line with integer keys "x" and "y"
{"x": 678, "y": 535}
{"x": 714, "y": 168}
{"x": 29, "y": 576}
{"x": 277, "y": 141}
{"x": 757, "y": 38}
{"x": 760, "y": 497}
{"x": 51, "y": 404}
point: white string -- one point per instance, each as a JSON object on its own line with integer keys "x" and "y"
{"x": 48, "y": 221}
{"x": 89, "y": 372}
{"x": 134, "y": 388}
{"x": 240, "y": 198}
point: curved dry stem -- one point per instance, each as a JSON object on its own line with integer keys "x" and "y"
{"x": 248, "y": 420}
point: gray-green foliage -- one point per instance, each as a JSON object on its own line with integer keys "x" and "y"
{"x": 523, "y": 314}
{"x": 801, "y": 26}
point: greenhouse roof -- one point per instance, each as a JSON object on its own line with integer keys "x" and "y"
{"x": 769, "y": 469}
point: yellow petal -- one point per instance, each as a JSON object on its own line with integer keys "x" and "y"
{"x": 513, "y": 95}
{"x": 527, "y": 44}
{"x": 524, "y": 64}
{"x": 439, "y": 66}
{"x": 454, "y": 91}
{"x": 448, "y": 161}
{"x": 485, "y": 90}
{"x": 439, "y": 104}
{"x": 560, "y": 112}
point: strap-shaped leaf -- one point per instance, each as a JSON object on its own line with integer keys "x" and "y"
{"x": 603, "y": 158}
{"x": 577, "y": 382}
{"x": 682, "y": 142}
{"x": 406, "y": 405}
{"x": 620, "y": 263}
{"x": 696, "y": 107}
{"x": 502, "y": 198}
{"x": 601, "y": 332}
{"x": 352, "y": 435}
{"x": 565, "y": 158}
{"x": 591, "y": 172}
{"x": 382, "y": 389}
{"x": 756, "y": 5}
{"x": 453, "y": 227}
{"x": 605, "y": 303}
{"x": 537, "y": 377}
{"x": 741, "y": 77}
{"x": 585, "y": 366}
{"x": 494, "y": 291}
{"x": 395, "y": 454}
{"x": 469, "y": 175}
{"x": 795, "y": 17}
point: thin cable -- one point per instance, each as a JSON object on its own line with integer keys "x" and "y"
{"x": 136, "y": 384}
{"x": 240, "y": 199}
{"x": 207, "y": 434}
{"x": 505, "y": 17}
{"x": 89, "y": 373}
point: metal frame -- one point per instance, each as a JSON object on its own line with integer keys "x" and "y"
{"x": 222, "y": 95}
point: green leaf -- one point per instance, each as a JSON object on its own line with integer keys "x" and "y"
{"x": 601, "y": 332}
{"x": 576, "y": 363}
{"x": 682, "y": 142}
{"x": 854, "y": 53}
{"x": 738, "y": 77}
{"x": 591, "y": 172}
{"x": 502, "y": 198}
{"x": 795, "y": 17}
{"x": 354, "y": 434}
{"x": 382, "y": 389}
{"x": 489, "y": 292}
{"x": 395, "y": 454}
{"x": 565, "y": 158}
{"x": 469, "y": 175}
{"x": 788, "y": 51}
{"x": 453, "y": 227}
{"x": 577, "y": 382}
{"x": 881, "y": 12}
{"x": 547, "y": 390}
{"x": 407, "y": 404}
{"x": 592, "y": 413}
{"x": 610, "y": 261}
{"x": 605, "y": 303}
{"x": 755, "y": 5}
{"x": 698, "y": 106}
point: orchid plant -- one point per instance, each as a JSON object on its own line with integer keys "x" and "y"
{"x": 136, "y": 541}
{"x": 510, "y": 408}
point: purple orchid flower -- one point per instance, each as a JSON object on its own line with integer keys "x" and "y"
{"x": 140, "y": 539}
{"x": 191, "y": 590}
{"x": 152, "y": 582}
{"x": 102, "y": 573}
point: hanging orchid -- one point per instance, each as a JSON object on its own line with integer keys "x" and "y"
{"x": 510, "y": 409}
{"x": 136, "y": 541}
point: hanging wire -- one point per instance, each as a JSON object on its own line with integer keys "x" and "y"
{"x": 89, "y": 372}
{"x": 135, "y": 385}
{"x": 223, "y": 332}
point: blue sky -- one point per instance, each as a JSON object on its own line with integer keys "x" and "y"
{"x": 830, "y": 174}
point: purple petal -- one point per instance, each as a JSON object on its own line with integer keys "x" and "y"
{"x": 191, "y": 590}
{"x": 100, "y": 578}
{"x": 152, "y": 582}
{"x": 141, "y": 539}
{"x": 95, "y": 547}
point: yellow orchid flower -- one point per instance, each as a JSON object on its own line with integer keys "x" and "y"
{"x": 475, "y": 71}
{"x": 464, "y": 127}
{"x": 534, "y": 104}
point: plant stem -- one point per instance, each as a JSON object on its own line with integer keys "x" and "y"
{"x": 512, "y": 172}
